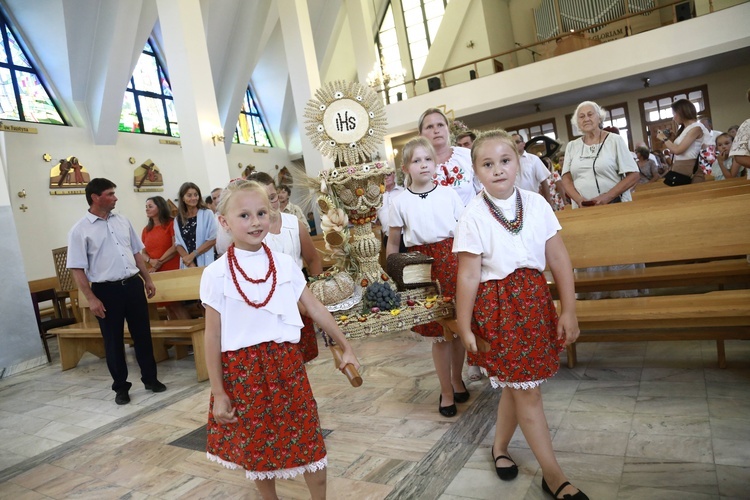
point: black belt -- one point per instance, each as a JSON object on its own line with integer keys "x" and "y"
{"x": 121, "y": 282}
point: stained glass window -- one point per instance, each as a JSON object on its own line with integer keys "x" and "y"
{"x": 250, "y": 126}
{"x": 148, "y": 105}
{"x": 23, "y": 95}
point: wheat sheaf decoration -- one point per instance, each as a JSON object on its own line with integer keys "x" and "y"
{"x": 345, "y": 121}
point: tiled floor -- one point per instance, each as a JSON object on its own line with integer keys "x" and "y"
{"x": 632, "y": 421}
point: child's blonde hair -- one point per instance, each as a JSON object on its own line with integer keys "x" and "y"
{"x": 408, "y": 154}
{"x": 241, "y": 185}
{"x": 492, "y": 135}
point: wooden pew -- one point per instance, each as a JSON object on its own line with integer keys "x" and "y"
{"x": 658, "y": 189}
{"x": 184, "y": 284}
{"x": 721, "y": 265}
{"x": 663, "y": 234}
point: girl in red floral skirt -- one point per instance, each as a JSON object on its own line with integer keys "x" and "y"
{"x": 503, "y": 240}
{"x": 262, "y": 417}
{"x": 427, "y": 213}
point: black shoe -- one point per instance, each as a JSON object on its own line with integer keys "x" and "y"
{"x": 578, "y": 496}
{"x": 504, "y": 473}
{"x": 461, "y": 397}
{"x": 155, "y": 386}
{"x": 122, "y": 397}
{"x": 447, "y": 411}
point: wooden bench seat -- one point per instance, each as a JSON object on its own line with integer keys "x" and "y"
{"x": 719, "y": 316}
{"x": 77, "y": 339}
{"x": 658, "y": 189}
{"x": 711, "y": 273}
{"x": 85, "y": 336}
{"x": 683, "y": 245}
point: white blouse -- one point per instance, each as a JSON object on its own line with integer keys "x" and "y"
{"x": 426, "y": 219}
{"x": 605, "y": 163}
{"x": 691, "y": 153}
{"x": 242, "y": 325}
{"x": 287, "y": 241}
{"x": 458, "y": 174}
{"x": 477, "y": 232}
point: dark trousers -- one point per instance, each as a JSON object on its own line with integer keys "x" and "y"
{"x": 126, "y": 300}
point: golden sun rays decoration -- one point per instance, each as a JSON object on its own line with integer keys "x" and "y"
{"x": 345, "y": 121}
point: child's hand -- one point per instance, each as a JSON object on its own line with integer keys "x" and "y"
{"x": 567, "y": 328}
{"x": 469, "y": 341}
{"x": 223, "y": 410}
{"x": 349, "y": 359}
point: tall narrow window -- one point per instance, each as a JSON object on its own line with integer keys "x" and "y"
{"x": 23, "y": 95}
{"x": 422, "y": 19}
{"x": 250, "y": 127}
{"x": 390, "y": 57}
{"x": 148, "y": 106}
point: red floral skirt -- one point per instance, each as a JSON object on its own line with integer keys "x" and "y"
{"x": 517, "y": 317}
{"x": 308, "y": 343}
{"x": 278, "y": 431}
{"x": 444, "y": 270}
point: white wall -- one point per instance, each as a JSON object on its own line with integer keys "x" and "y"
{"x": 45, "y": 224}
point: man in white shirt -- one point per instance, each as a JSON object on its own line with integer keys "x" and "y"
{"x": 288, "y": 207}
{"x": 709, "y": 124}
{"x": 533, "y": 175}
{"x": 104, "y": 249}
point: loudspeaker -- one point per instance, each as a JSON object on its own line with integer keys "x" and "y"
{"x": 682, "y": 11}
{"x": 433, "y": 83}
{"x": 472, "y": 74}
{"x": 399, "y": 96}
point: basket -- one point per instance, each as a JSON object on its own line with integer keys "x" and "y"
{"x": 427, "y": 306}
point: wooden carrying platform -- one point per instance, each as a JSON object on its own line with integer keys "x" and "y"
{"x": 684, "y": 242}
{"x": 184, "y": 284}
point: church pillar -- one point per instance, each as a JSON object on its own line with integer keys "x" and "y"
{"x": 186, "y": 51}
{"x": 303, "y": 73}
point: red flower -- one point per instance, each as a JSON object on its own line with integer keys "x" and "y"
{"x": 455, "y": 170}
{"x": 459, "y": 177}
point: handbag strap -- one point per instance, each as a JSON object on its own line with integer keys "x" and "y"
{"x": 593, "y": 165}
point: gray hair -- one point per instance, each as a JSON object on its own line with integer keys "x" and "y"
{"x": 597, "y": 109}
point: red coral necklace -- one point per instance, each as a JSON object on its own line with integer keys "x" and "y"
{"x": 233, "y": 263}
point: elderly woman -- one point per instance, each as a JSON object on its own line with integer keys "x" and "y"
{"x": 598, "y": 167}
{"x": 598, "y": 170}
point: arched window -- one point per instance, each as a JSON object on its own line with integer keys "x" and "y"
{"x": 148, "y": 106}
{"x": 23, "y": 95}
{"x": 250, "y": 128}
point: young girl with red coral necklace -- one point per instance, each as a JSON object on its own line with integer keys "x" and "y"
{"x": 504, "y": 239}
{"x": 262, "y": 416}
{"x": 427, "y": 213}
